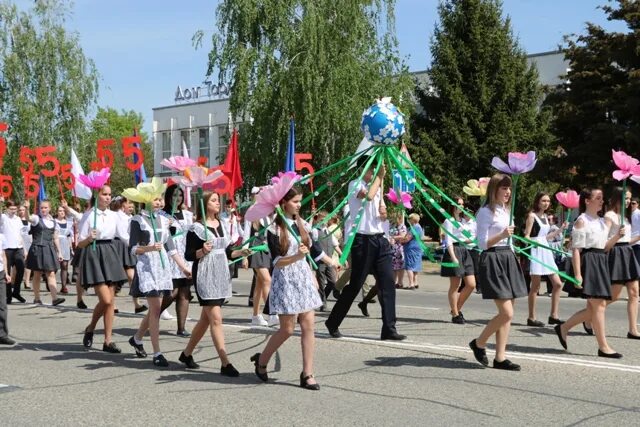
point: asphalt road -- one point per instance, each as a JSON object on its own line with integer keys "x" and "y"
{"x": 430, "y": 379}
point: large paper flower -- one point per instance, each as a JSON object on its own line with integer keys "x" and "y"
{"x": 146, "y": 192}
{"x": 476, "y": 187}
{"x": 569, "y": 199}
{"x": 269, "y": 197}
{"x": 197, "y": 176}
{"x": 95, "y": 179}
{"x": 405, "y": 198}
{"x": 628, "y": 166}
{"x": 178, "y": 163}
{"x": 518, "y": 163}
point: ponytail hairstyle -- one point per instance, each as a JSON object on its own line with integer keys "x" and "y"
{"x": 586, "y": 194}
{"x": 284, "y": 232}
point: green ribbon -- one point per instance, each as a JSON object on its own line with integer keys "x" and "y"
{"x": 258, "y": 248}
{"x": 295, "y": 235}
{"x": 155, "y": 235}
{"x": 204, "y": 218}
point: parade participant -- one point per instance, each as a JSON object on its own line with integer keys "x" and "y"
{"x": 101, "y": 266}
{"x": 500, "y": 273}
{"x": 181, "y": 221}
{"x": 327, "y": 273}
{"x": 64, "y": 242}
{"x": 591, "y": 239}
{"x": 79, "y": 219}
{"x": 538, "y": 229}
{"x": 23, "y": 214}
{"x": 397, "y": 233}
{"x": 44, "y": 254}
{"x": 623, "y": 265}
{"x": 210, "y": 251}
{"x": 413, "y": 251}
{"x": 121, "y": 206}
{"x": 260, "y": 262}
{"x": 293, "y": 291}
{"x": 4, "y": 278}
{"x": 151, "y": 242}
{"x": 11, "y": 228}
{"x": 371, "y": 251}
{"x": 457, "y": 252}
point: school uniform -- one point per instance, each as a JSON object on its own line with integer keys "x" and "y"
{"x": 465, "y": 266}
{"x": 182, "y": 224}
{"x": 500, "y": 272}
{"x": 121, "y": 241}
{"x": 594, "y": 262}
{"x": 42, "y": 254}
{"x": 623, "y": 265}
{"x": 102, "y": 263}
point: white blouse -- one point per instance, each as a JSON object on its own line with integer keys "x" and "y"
{"x": 491, "y": 223}
{"x": 593, "y": 235}
{"x": 106, "y": 225}
{"x": 615, "y": 227}
{"x": 468, "y": 226}
{"x": 122, "y": 226}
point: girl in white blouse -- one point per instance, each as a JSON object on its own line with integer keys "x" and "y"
{"x": 500, "y": 273}
{"x": 591, "y": 240}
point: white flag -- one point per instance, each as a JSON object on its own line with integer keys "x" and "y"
{"x": 187, "y": 193}
{"x": 80, "y": 191}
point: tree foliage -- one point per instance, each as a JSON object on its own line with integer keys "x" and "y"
{"x": 321, "y": 61}
{"x": 47, "y": 85}
{"x": 598, "y": 109}
{"x": 481, "y": 100}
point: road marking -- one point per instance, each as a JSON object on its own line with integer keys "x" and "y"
{"x": 543, "y": 357}
{"x": 419, "y": 308}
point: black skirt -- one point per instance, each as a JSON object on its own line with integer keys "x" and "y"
{"x": 260, "y": 259}
{"x": 623, "y": 266}
{"x": 135, "y": 292}
{"x": 102, "y": 265}
{"x": 128, "y": 260}
{"x": 42, "y": 258}
{"x": 77, "y": 255}
{"x": 465, "y": 263}
{"x": 501, "y": 275}
{"x": 596, "y": 280}
{"x": 182, "y": 283}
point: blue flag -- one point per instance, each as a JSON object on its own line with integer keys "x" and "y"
{"x": 290, "y": 163}
{"x": 140, "y": 175}
{"x": 42, "y": 194}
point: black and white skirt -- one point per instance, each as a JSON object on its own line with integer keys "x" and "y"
{"x": 102, "y": 265}
{"x": 128, "y": 260}
{"x": 501, "y": 275}
{"x": 465, "y": 263}
{"x": 623, "y": 266}
{"x": 596, "y": 280}
{"x": 42, "y": 258}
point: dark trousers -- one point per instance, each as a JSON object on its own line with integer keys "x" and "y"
{"x": 369, "y": 255}
{"x": 327, "y": 276}
{"x": 15, "y": 258}
{"x": 4, "y": 330}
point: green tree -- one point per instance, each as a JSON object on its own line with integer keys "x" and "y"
{"x": 47, "y": 84}
{"x": 481, "y": 99}
{"x": 598, "y": 109}
{"x": 111, "y": 124}
{"x": 322, "y": 61}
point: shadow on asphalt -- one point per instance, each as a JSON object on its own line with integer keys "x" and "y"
{"x": 422, "y": 362}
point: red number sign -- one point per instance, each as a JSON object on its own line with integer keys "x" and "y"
{"x": 44, "y": 156}
{"x": 3, "y": 144}
{"x": 31, "y": 185}
{"x": 103, "y": 154}
{"x": 67, "y": 178}
{"x": 26, "y": 158}
{"x": 6, "y": 187}
{"x": 131, "y": 148}
{"x": 302, "y": 165}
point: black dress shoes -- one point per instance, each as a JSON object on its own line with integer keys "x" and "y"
{"x": 609, "y": 355}
{"x": 19, "y": 298}
{"x": 6, "y": 341}
{"x": 589, "y": 331}
{"x": 335, "y": 333}
{"x": 535, "y": 323}
{"x": 304, "y": 382}
{"x": 363, "y": 308}
{"x": 81, "y": 305}
{"x": 633, "y": 337}
{"x": 111, "y": 348}
{"x": 139, "y": 348}
{"x": 394, "y": 336}
{"x": 229, "y": 371}
{"x": 506, "y": 365}
{"x": 87, "y": 340}
{"x": 554, "y": 321}
{"x": 188, "y": 361}
{"x": 479, "y": 353}
{"x": 256, "y": 361}
{"x": 563, "y": 342}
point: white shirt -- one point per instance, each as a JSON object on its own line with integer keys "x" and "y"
{"x": 48, "y": 221}
{"x": 122, "y": 226}
{"x": 615, "y": 227}
{"x": 371, "y": 223}
{"x": 592, "y": 235}
{"x": 458, "y": 233}
{"x": 12, "y": 230}
{"x": 2, "y": 243}
{"x": 106, "y": 222}
{"x": 635, "y": 225}
{"x": 490, "y": 224}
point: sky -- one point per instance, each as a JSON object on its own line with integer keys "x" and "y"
{"x": 143, "y": 51}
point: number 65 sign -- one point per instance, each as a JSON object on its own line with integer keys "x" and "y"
{"x": 130, "y": 149}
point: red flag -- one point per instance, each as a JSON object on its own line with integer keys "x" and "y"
{"x": 231, "y": 166}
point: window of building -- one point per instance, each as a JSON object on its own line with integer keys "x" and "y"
{"x": 203, "y": 144}
{"x": 166, "y": 149}
{"x": 185, "y": 136}
{"x": 223, "y": 142}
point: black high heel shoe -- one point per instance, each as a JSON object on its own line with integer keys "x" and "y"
{"x": 305, "y": 384}
{"x": 256, "y": 361}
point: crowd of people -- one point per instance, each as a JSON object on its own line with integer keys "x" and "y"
{"x": 109, "y": 245}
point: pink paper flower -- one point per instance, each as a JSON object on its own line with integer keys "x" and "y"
{"x": 269, "y": 197}
{"x": 95, "y": 179}
{"x": 518, "y": 163}
{"x": 405, "y": 198}
{"x": 569, "y": 199}
{"x": 627, "y": 165}
{"x": 197, "y": 176}
{"x": 178, "y": 163}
